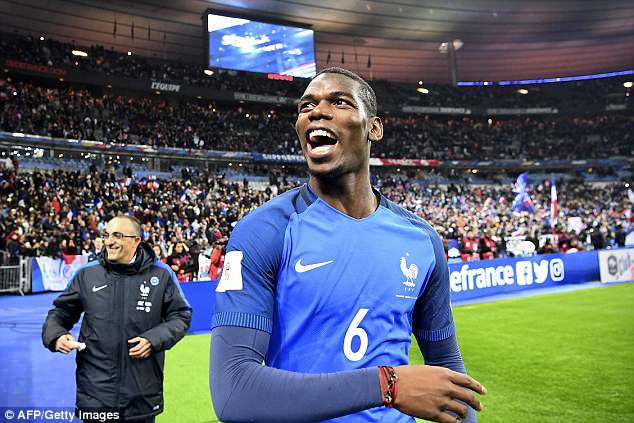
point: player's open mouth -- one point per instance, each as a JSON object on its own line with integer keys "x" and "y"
{"x": 320, "y": 142}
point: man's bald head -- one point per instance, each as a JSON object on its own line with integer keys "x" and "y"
{"x": 132, "y": 222}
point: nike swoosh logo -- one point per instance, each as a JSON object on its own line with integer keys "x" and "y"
{"x": 300, "y": 268}
{"x": 98, "y": 288}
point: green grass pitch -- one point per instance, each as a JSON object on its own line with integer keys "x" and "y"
{"x": 566, "y": 357}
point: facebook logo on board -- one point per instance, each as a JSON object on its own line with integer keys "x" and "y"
{"x": 524, "y": 272}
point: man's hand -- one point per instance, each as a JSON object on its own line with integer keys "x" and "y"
{"x": 140, "y": 350}
{"x": 66, "y": 343}
{"x": 428, "y": 392}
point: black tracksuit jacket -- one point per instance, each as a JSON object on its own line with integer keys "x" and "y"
{"x": 121, "y": 302}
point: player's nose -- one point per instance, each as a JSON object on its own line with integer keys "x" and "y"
{"x": 322, "y": 110}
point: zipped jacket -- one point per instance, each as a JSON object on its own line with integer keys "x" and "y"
{"x": 120, "y": 302}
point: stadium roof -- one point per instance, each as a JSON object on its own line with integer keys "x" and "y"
{"x": 502, "y": 39}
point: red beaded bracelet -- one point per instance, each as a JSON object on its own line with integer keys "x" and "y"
{"x": 388, "y": 379}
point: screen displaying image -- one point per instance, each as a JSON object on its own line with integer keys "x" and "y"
{"x": 242, "y": 44}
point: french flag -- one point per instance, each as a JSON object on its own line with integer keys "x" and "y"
{"x": 522, "y": 201}
{"x": 554, "y": 211}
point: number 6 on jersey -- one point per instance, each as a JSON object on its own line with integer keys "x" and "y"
{"x": 355, "y": 330}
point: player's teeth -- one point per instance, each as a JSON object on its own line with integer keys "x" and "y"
{"x": 320, "y": 133}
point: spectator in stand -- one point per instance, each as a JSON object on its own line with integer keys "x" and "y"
{"x": 619, "y": 236}
{"x": 14, "y": 247}
{"x": 97, "y": 246}
{"x": 596, "y": 237}
{"x": 159, "y": 253}
{"x": 178, "y": 261}
{"x": 547, "y": 248}
{"x": 487, "y": 246}
{"x": 470, "y": 247}
{"x": 216, "y": 260}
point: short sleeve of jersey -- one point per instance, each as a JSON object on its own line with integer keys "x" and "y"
{"x": 245, "y": 295}
{"x": 432, "y": 319}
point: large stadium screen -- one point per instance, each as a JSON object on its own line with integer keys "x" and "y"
{"x": 242, "y": 44}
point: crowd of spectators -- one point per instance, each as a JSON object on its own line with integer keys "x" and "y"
{"x": 519, "y": 138}
{"x": 189, "y": 220}
{"x": 479, "y": 220}
{"x": 392, "y": 95}
{"x": 50, "y": 52}
{"x": 62, "y": 212}
{"x": 80, "y": 114}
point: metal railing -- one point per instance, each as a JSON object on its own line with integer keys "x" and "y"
{"x": 4, "y": 258}
{"x": 16, "y": 278}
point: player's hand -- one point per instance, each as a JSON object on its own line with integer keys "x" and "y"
{"x": 429, "y": 392}
{"x": 142, "y": 349}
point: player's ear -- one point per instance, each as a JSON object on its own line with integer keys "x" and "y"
{"x": 376, "y": 129}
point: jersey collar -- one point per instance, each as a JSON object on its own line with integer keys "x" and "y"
{"x": 309, "y": 196}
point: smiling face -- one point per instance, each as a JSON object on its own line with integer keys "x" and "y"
{"x": 122, "y": 250}
{"x": 333, "y": 127}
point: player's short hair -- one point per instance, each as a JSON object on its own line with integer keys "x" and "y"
{"x": 368, "y": 97}
{"x": 135, "y": 222}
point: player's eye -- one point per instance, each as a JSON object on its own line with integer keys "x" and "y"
{"x": 341, "y": 102}
{"x": 303, "y": 107}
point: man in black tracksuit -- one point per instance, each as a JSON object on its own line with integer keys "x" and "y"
{"x": 133, "y": 311}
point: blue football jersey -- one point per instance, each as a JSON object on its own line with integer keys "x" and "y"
{"x": 335, "y": 293}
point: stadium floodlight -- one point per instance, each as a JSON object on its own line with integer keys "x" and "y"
{"x": 79, "y": 53}
{"x": 443, "y": 47}
{"x": 522, "y": 91}
{"x": 208, "y": 72}
{"x": 422, "y": 90}
{"x": 628, "y": 84}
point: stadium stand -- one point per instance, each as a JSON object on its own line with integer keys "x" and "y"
{"x": 582, "y": 96}
{"x": 79, "y": 114}
{"x": 191, "y": 210}
{"x": 61, "y": 212}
